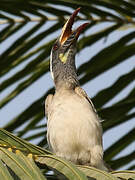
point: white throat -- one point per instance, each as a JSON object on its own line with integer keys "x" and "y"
{"x": 51, "y": 66}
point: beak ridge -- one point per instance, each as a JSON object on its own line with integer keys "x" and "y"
{"x": 67, "y": 29}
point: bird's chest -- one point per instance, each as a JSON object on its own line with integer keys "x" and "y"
{"x": 69, "y": 108}
{"x": 72, "y": 121}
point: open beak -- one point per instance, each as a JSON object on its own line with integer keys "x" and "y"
{"x": 67, "y": 29}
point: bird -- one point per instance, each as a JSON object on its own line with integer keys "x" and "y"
{"x": 74, "y": 130}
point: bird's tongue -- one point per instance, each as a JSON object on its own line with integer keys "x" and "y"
{"x": 67, "y": 29}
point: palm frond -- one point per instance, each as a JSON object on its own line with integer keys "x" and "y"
{"x": 29, "y": 28}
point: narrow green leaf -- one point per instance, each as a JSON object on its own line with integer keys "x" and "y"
{"x": 28, "y": 7}
{"x": 126, "y": 175}
{"x": 28, "y": 69}
{"x": 107, "y": 94}
{"x": 3, "y": 16}
{"x": 28, "y": 113}
{"x": 100, "y": 63}
{"x": 32, "y": 124}
{"x": 122, "y": 161}
{"x": 120, "y": 108}
{"x": 132, "y": 167}
{"x": 62, "y": 166}
{"x": 93, "y": 38}
{"x": 22, "y": 166}
{"x": 43, "y": 142}
{"x": 5, "y": 31}
{"x": 25, "y": 58}
{"x": 96, "y": 173}
{"x": 92, "y": 9}
{"x": 4, "y": 173}
{"x": 119, "y": 145}
{"x": 40, "y": 126}
{"x": 36, "y": 135}
{"x": 18, "y": 47}
{"x": 14, "y": 29}
{"x": 40, "y": 70}
{"x": 52, "y": 10}
{"x": 116, "y": 121}
{"x": 121, "y": 55}
{"x": 21, "y": 46}
{"x": 12, "y": 11}
{"x": 118, "y": 8}
{"x": 11, "y": 141}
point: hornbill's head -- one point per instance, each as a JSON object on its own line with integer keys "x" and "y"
{"x": 62, "y": 59}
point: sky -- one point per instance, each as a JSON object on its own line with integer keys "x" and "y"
{"x": 38, "y": 88}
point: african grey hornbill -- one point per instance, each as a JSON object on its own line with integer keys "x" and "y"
{"x": 74, "y": 130}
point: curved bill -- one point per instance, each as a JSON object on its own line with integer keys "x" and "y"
{"x": 67, "y": 29}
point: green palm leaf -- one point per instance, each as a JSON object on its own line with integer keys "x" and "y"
{"x": 124, "y": 174}
{"x": 4, "y": 172}
{"x": 23, "y": 167}
{"x": 18, "y": 158}
{"x": 62, "y": 166}
{"x": 96, "y": 173}
{"x": 29, "y": 28}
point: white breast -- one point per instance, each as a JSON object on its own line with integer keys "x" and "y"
{"x": 74, "y": 131}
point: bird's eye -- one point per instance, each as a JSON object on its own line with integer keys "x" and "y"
{"x": 55, "y": 47}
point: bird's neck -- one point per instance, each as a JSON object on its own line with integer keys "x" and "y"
{"x": 67, "y": 84}
{"x": 65, "y": 78}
